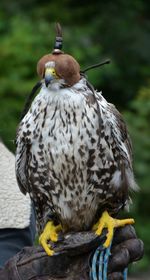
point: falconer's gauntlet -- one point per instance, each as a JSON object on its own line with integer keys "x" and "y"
{"x": 72, "y": 258}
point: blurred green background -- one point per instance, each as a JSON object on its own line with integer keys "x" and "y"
{"x": 93, "y": 30}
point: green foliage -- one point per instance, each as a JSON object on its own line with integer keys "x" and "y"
{"x": 138, "y": 124}
{"x": 93, "y": 30}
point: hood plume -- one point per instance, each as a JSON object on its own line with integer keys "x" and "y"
{"x": 58, "y": 39}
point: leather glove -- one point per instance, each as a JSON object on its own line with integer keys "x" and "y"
{"x": 71, "y": 258}
{"x": 126, "y": 248}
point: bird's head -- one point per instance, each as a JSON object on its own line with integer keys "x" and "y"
{"x": 58, "y": 67}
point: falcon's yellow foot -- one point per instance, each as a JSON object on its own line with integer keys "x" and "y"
{"x": 50, "y": 233}
{"x": 106, "y": 221}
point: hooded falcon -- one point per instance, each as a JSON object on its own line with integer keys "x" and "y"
{"x": 73, "y": 154}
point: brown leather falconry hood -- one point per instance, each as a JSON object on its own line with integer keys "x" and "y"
{"x": 66, "y": 66}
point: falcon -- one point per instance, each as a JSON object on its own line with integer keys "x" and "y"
{"x": 74, "y": 154}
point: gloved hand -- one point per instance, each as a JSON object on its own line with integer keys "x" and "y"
{"x": 126, "y": 248}
{"x": 71, "y": 258}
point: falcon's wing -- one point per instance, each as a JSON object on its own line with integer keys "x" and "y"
{"x": 122, "y": 130}
{"x": 115, "y": 137}
{"x": 116, "y": 128}
{"x": 21, "y": 159}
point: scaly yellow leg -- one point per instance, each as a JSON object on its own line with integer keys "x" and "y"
{"x": 50, "y": 232}
{"x": 106, "y": 221}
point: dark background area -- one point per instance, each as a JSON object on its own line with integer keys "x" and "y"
{"x": 93, "y": 30}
